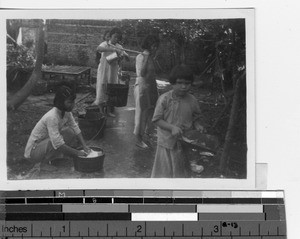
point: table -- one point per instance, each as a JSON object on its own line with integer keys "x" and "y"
{"x": 58, "y": 75}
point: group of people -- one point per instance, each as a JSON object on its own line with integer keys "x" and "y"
{"x": 173, "y": 112}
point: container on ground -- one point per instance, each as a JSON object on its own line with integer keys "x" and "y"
{"x": 90, "y": 165}
{"x": 92, "y": 123}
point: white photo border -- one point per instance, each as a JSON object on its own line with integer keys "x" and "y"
{"x": 124, "y": 183}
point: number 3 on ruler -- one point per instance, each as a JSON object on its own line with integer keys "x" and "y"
{"x": 216, "y": 228}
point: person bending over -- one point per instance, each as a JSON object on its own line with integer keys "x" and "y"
{"x": 56, "y": 134}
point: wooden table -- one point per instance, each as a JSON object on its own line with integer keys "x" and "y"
{"x": 74, "y": 75}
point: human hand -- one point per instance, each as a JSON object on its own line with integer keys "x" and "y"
{"x": 87, "y": 149}
{"x": 119, "y": 52}
{"x": 176, "y": 131}
{"x": 81, "y": 153}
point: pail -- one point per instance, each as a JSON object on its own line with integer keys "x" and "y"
{"x": 117, "y": 94}
{"x": 112, "y": 57}
{"x": 89, "y": 165}
{"x": 92, "y": 124}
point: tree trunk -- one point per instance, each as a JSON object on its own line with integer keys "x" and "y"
{"x": 232, "y": 123}
{"x": 23, "y": 93}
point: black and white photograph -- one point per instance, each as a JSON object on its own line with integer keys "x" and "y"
{"x": 130, "y": 96}
{"x": 243, "y": 58}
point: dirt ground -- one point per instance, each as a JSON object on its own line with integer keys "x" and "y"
{"x": 122, "y": 158}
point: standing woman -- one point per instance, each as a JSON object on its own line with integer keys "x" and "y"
{"x": 108, "y": 72}
{"x": 145, "y": 91}
{"x": 106, "y": 38}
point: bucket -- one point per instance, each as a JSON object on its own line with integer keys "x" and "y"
{"x": 112, "y": 57}
{"x": 89, "y": 165}
{"x": 92, "y": 124}
{"x": 117, "y": 94}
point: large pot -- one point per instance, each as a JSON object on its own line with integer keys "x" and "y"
{"x": 90, "y": 165}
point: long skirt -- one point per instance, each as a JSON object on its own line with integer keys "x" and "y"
{"x": 143, "y": 115}
{"x": 169, "y": 163}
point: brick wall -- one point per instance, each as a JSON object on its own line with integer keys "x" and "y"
{"x": 74, "y": 42}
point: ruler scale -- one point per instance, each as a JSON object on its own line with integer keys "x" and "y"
{"x": 142, "y": 214}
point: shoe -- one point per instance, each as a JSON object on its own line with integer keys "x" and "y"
{"x": 142, "y": 145}
{"x": 48, "y": 167}
{"x": 111, "y": 115}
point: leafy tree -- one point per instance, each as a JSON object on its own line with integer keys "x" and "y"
{"x": 19, "y": 97}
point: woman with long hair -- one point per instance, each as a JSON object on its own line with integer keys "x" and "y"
{"x": 145, "y": 91}
{"x": 108, "y": 71}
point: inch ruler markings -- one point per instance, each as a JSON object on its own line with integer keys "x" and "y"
{"x": 142, "y": 214}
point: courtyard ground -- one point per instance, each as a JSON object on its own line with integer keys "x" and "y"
{"x": 122, "y": 158}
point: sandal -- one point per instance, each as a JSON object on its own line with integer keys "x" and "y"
{"x": 111, "y": 115}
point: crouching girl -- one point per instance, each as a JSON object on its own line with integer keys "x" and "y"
{"x": 175, "y": 112}
{"x": 56, "y": 133}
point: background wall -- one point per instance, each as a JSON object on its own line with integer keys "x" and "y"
{"x": 74, "y": 42}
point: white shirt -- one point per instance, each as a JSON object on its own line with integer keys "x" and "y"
{"x": 50, "y": 126}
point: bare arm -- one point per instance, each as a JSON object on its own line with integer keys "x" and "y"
{"x": 144, "y": 64}
{"x": 74, "y": 152}
{"x": 82, "y": 141}
{"x": 143, "y": 61}
{"x": 126, "y": 56}
{"x": 175, "y": 130}
{"x": 107, "y": 49}
{"x": 70, "y": 151}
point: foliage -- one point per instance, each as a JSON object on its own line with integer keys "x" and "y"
{"x": 18, "y": 56}
{"x": 214, "y": 38}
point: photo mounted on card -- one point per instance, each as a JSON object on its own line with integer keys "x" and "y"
{"x": 128, "y": 99}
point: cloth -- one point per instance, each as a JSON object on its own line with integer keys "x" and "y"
{"x": 44, "y": 151}
{"x": 50, "y": 126}
{"x": 145, "y": 94}
{"x": 170, "y": 160}
{"x": 106, "y": 73}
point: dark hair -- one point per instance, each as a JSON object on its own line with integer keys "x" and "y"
{"x": 105, "y": 33}
{"x": 181, "y": 72}
{"x": 63, "y": 93}
{"x": 148, "y": 41}
{"x": 116, "y": 30}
